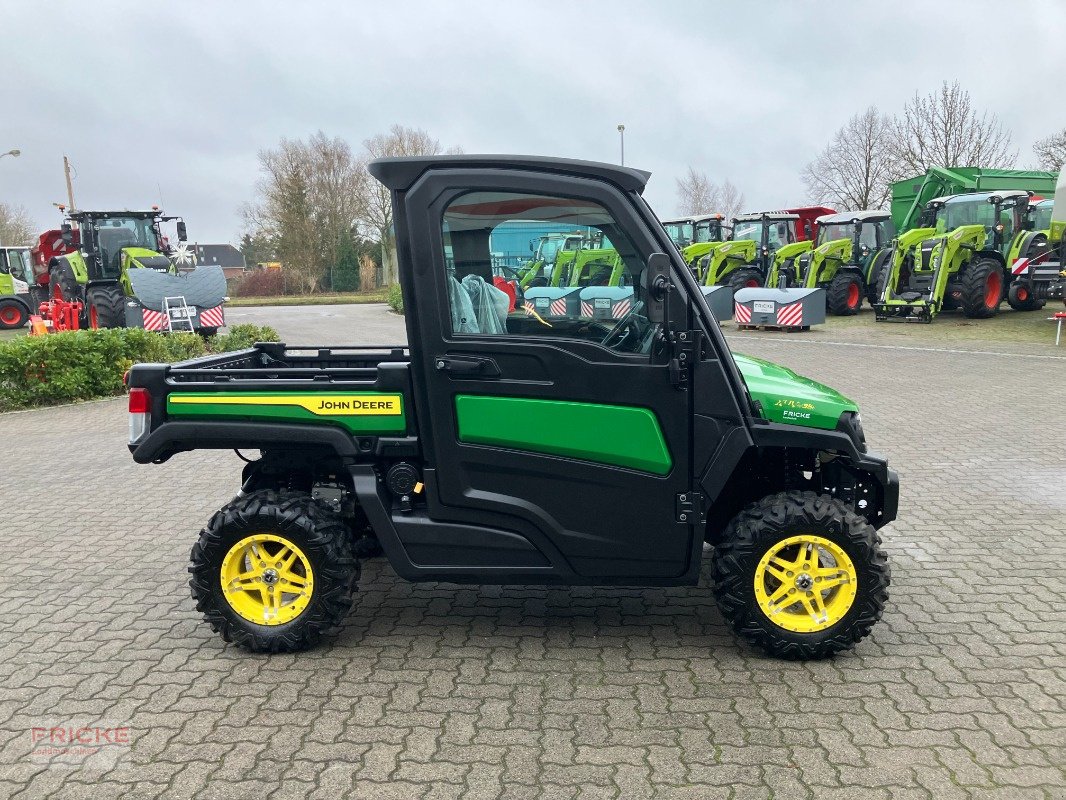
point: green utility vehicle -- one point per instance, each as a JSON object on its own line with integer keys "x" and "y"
{"x": 850, "y": 252}
{"x": 961, "y": 263}
{"x": 98, "y": 250}
{"x": 763, "y": 247}
{"x": 708, "y": 232}
{"x": 499, "y": 447}
{"x": 17, "y": 298}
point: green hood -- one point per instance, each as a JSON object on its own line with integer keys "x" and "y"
{"x": 791, "y": 398}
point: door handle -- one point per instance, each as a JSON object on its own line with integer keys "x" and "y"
{"x": 467, "y": 366}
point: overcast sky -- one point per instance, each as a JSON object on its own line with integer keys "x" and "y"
{"x": 171, "y": 101}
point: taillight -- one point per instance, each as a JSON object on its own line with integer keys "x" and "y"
{"x": 140, "y": 413}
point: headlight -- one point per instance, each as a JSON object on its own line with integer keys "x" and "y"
{"x": 851, "y": 423}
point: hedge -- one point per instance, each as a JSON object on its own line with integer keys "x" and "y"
{"x": 83, "y": 365}
{"x": 395, "y": 298}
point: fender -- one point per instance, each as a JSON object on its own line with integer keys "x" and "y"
{"x": 825, "y": 260}
{"x": 76, "y": 262}
{"x": 727, "y": 257}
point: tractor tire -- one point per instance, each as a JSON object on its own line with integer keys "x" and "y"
{"x": 982, "y": 288}
{"x": 844, "y": 295}
{"x": 1020, "y": 298}
{"x": 882, "y": 259}
{"x": 270, "y": 544}
{"x": 13, "y": 315}
{"x": 107, "y": 307}
{"x": 744, "y": 278}
{"x": 774, "y": 556}
{"x": 63, "y": 285}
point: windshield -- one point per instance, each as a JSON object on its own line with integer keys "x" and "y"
{"x": 115, "y": 233}
{"x": 709, "y": 230}
{"x": 966, "y": 211}
{"x": 16, "y": 263}
{"x": 834, "y": 231}
{"x": 679, "y": 232}
{"x": 1041, "y": 216}
{"x": 750, "y": 231}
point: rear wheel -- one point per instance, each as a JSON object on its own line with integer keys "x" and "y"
{"x": 844, "y": 296}
{"x": 1020, "y": 298}
{"x": 982, "y": 288}
{"x": 744, "y": 278}
{"x": 801, "y": 575}
{"x": 63, "y": 285}
{"x": 107, "y": 307}
{"x": 12, "y": 315}
{"x": 273, "y": 571}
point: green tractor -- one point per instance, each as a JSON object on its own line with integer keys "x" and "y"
{"x": 681, "y": 231}
{"x": 91, "y": 260}
{"x": 956, "y": 258}
{"x": 764, "y": 247}
{"x": 594, "y": 263}
{"x": 1039, "y": 275}
{"x": 546, "y": 250}
{"x": 849, "y": 253}
{"x": 708, "y": 232}
{"x": 17, "y": 300}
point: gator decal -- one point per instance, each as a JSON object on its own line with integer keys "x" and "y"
{"x": 359, "y": 412}
{"x": 622, "y": 436}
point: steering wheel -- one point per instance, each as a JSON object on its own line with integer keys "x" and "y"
{"x": 622, "y": 330}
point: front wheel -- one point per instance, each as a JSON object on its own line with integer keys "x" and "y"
{"x": 12, "y": 315}
{"x": 744, "y": 278}
{"x": 273, "y": 571}
{"x": 1020, "y": 298}
{"x": 107, "y": 307}
{"x": 845, "y": 293}
{"x": 982, "y": 288}
{"x": 801, "y": 575}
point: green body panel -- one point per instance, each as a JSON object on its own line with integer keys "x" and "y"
{"x": 909, "y": 196}
{"x": 130, "y": 256}
{"x": 284, "y": 407}
{"x": 826, "y": 259}
{"x": 7, "y": 284}
{"x": 77, "y": 264}
{"x": 623, "y": 436}
{"x": 697, "y": 250}
{"x": 563, "y": 263}
{"x": 729, "y": 257}
{"x": 790, "y": 398}
{"x": 586, "y": 262}
{"x": 791, "y": 251}
{"x": 1014, "y": 252}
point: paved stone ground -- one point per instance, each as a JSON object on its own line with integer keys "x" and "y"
{"x": 436, "y": 691}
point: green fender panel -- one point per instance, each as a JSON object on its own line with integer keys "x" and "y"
{"x": 728, "y": 257}
{"x": 7, "y": 284}
{"x": 825, "y": 260}
{"x": 622, "y": 436}
{"x": 77, "y": 265}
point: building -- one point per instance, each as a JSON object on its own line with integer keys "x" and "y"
{"x": 223, "y": 255}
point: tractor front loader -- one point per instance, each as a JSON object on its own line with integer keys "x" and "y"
{"x": 708, "y": 232}
{"x": 763, "y": 246}
{"x": 850, "y": 251}
{"x": 962, "y": 263}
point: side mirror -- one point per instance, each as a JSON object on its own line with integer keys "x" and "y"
{"x": 183, "y": 233}
{"x": 656, "y": 283}
{"x": 532, "y": 245}
{"x": 68, "y": 234}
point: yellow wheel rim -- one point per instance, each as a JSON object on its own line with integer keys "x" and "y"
{"x": 267, "y": 579}
{"x": 805, "y": 584}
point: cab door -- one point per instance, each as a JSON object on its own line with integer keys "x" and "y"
{"x": 559, "y": 421}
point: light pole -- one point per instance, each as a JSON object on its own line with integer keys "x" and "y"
{"x": 622, "y": 141}
{"x": 13, "y": 153}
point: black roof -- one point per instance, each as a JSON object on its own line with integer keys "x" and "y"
{"x": 225, "y": 255}
{"x": 400, "y": 173}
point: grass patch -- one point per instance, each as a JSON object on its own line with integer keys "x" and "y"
{"x": 325, "y": 299}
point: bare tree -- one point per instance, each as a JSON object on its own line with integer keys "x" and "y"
{"x": 311, "y": 195}
{"x": 377, "y": 209}
{"x": 16, "y": 226}
{"x": 856, "y": 168}
{"x": 943, "y": 129}
{"x": 698, "y": 194}
{"x": 1051, "y": 152}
